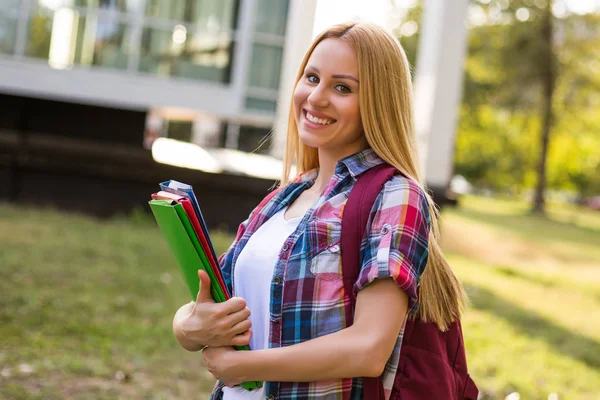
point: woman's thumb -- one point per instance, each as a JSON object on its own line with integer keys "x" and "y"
{"x": 204, "y": 294}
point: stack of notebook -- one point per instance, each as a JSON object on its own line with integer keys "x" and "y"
{"x": 180, "y": 220}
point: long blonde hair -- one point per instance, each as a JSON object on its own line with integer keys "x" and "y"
{"x": 385, "y": 99}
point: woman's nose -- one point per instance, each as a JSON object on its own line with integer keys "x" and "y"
{"x": 318, "y": 97}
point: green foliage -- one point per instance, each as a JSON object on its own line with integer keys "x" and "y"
{"x": 574, "y": 158}
{"x": 497, "y": 143}
{"x": 39, "y": 35}
{"x": 494, "y": 147}
{"x": 410, "y": 43}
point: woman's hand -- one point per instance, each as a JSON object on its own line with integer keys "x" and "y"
{"x": 205, "y": 322}
{"x": 221, "y": 363}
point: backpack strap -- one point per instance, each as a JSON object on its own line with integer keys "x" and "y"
{"x": 354, "y": 223}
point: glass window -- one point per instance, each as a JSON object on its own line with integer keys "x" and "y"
{"x": 222, "y": 138}
{"x": 271, "y": 16}
{"x": 180, "y": 130}
{"x": 38, "y": 38}
{"x": 120, "y": 5}
{"x": 201, "y": 56}
{"x": 261, "y": 105}
{"x": 254, "y": 139}
{"x": 65, "y": 38}
{"x": 103, "y": 42}
{"x": 8, "y": 34}
{"x": 9, "y": 13}
{"x": 212, "y": 15}
{"x": 266, "y": 66}
{"x": 9, "y": 8}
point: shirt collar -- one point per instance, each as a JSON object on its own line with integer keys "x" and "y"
{"x": 306, "y": 176}
{"x": 355, "y": 164}
{"x": 358, "y": 163}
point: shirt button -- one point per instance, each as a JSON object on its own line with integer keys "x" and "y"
{"x": 386, "y": 229}
{"x": 277, "y": 280}
{"x": 286, "y": 247}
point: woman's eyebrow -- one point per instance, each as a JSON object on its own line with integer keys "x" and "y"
{"x": 337, "y": 76}
{"x": 341, "y": 76}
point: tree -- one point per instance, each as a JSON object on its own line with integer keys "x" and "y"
{"x": 531, "y": 100}
{"x": 530, "y": 113}
{"x": 548, "y": 78}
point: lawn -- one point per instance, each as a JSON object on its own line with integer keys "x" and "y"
{"x": 86, "y": 304}
{"x": 534, "y": 283}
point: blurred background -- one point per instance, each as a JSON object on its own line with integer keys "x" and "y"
{"x": 100, "y": 100}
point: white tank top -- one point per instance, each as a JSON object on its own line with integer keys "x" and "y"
{"x": 252, "y": 277}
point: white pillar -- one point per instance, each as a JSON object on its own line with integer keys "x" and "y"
{"x": 299, "y": 36}
{"x": 438, "y": 86}
{"x": 242, "y": 54}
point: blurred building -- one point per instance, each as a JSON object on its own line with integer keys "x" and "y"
{"x": 87, "y": 87}
{"x": 128, "y": 71}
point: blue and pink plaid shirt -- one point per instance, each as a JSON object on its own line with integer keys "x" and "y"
{"x": 307, "y": 290}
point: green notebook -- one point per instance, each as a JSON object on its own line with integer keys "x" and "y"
{"x": 178, "y": 231}
{"x": 181, "y": 238}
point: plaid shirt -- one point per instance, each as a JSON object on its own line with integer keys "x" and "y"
{"x": 307, "y": 290}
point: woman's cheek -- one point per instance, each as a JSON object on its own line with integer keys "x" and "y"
{"x": 301, "y": 93}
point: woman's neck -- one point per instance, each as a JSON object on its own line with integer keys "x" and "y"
{"x": 327, "y": 163}
{"x": 326, "y": 170}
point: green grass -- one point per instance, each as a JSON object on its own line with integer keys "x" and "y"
{"x": 534, "y": 283}
{"x": 86, "y": 305}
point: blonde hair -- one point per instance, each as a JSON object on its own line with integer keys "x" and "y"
{"x": 385, "y": 101}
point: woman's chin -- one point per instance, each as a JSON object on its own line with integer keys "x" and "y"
{"x": 310, "y": 140}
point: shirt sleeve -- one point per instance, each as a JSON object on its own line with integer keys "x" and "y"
{"x": 397, "y": 239}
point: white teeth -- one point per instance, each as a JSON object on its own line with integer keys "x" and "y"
{"x": 316, "y": 120}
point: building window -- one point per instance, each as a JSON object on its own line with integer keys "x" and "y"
{"x": 180, "y": 130}
{"x": 191, "y": 39}
{"x": 9, "y": 10}
{"x": 267, "y": 55}
{"x": 195, "y": 55}
{"x": 265, "y": 68}
{"x": 268, "y": 106}
{"x": 254, "y": 139}
{"x": 69, "y": 36}
{"x": 271, "y": 16}
{"x": 212, "y": 15}
{"x": 120, "y": 5}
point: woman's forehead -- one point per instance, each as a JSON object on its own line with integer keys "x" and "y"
{"x": 335, "y": 56}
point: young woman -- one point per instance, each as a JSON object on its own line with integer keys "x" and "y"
{"x": 351, "y": 110}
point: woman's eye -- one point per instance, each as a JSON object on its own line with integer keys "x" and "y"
{"x": 312, "y": 78}
{"x": 343, "y": 89}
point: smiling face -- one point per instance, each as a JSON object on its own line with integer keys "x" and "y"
{"x": 326, "y": 100}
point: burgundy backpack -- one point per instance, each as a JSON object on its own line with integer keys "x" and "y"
{"x": 432, "y": 363}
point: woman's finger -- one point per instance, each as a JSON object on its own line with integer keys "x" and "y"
{"x": 241, "y": 327}
{"x": 232, "y": 305}
{"x": 243, "y": 339}
{"x": 204, "y": 295}
{"x": 233, "y": 319}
